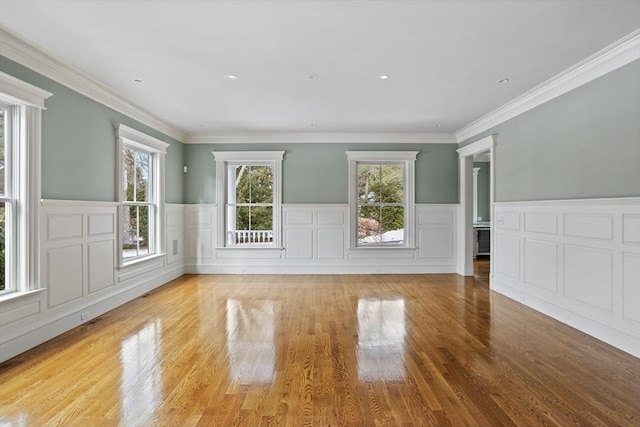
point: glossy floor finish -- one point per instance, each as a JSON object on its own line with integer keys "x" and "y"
{"x": 359, "y": 350}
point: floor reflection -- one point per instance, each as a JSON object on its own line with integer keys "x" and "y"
{"x": 141, "y": 381}
{"x": 250, "y": 340}
{"x": 381, "y": 339}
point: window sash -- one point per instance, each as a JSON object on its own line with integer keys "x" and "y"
{"x": 227, "y": 163}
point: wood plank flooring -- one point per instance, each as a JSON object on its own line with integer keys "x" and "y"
{"x": 356, "y": 350}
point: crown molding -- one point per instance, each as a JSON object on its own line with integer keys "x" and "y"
{"x": 23, "y": 53}
{"x": 324, "y": 138}
{"x": 612, "y": 57}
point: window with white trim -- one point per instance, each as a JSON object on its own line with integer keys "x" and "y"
{"x": 21, "y": 105}
{"x": 249, "y": 198}
{"x": 381, "y": 198}
{"x": 141, "y": 193}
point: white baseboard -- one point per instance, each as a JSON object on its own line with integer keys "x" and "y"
{"x": 365, "y": 269}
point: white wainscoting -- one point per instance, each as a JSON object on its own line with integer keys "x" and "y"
{"x": 577, "y": 261}
{"x": 79, "y": 275}
{"x": 316, "y": 241}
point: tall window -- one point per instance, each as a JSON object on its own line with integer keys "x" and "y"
{"x": 249, "y": 197}
{"x": 141, "y": 194}
{"x": 381, "y": 198}
{"x": 20, "y": 127}
{"x": 7, "y": 202}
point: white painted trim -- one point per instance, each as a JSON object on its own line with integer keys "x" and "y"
{"x": 329, "y": 269}
{"x": 532, "y": 242}
{"x": 274, "y": 159}
{"x": 612, "y": 57}
{"x": 50, "y": 67}
{"x": 22, "y": 92}
{"x": 465, "y": 217}
{"x": 322, "y": 138}
{"x": 408, "y": 158}
{"x": 139, "y": 139}
{"x": 377, "y": 156}
{"x": 55, "y": 203}
{"x": 248, "y": 156}
{"x": 126, "y": 136}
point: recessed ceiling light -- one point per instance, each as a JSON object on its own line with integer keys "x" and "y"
{"x": 384, "y": 76}
{"x": 313, "y": 125}
{"x": 439, "y": 125}
{"x": 138, "y": 80}
{"x": 312, "y": 76}
{"x": 232, "y": 76}
{"x": 502, "y": 81}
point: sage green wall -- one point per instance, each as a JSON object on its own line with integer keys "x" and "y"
{"x": 78, "y": 144}
{"x": 583, "y": 144}
{"x": 483, "y": 190}
{"x": 318, "y": 173}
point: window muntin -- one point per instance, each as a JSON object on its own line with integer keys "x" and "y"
{"x": 381, "y": 198}
{"x": 141, "y": 189}
{"x": 249, "y": 198}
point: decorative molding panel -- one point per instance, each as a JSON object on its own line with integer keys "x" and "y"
{"x": 316, "y": 240}
{"x": 64, "y": 226}
{"x": 64, "y": 274}
{"x": 79, "y": 278}
{"x": 575, "y": 260}
{"x": 102, "y": 263}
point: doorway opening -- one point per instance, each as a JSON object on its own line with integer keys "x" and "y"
{"x": 475, "y": 242}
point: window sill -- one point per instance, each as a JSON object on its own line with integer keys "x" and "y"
{"x": 139, "y": 261}
{"x": 377, "y": 248}
{"x": 12, "y": 296}
{"x": 238, "y": 248}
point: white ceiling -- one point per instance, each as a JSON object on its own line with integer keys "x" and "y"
{"x": 443, "y": 57}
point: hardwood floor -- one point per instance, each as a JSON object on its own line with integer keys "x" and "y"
{"x": 396, "y": 350}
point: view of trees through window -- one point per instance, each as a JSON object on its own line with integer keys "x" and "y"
{"x": 380, "y": 204}
{"x": 137, "y": 207}
{"x": 2, "y": 204}
{"x": 250, "y": 207}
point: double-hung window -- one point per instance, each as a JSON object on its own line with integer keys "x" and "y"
{"x": 21, "y": 105}
{"x": 249, "y": 197}
{"x": 141, "y": 190}
{"x": 381, "y": 198}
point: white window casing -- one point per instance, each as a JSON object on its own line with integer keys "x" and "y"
{"x": 141, "y": 142}
{"x": 24, "y": 104}
{"x": 407, "y": 159}
{"x": 250, "y": 158}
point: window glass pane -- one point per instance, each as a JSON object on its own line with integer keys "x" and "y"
{"x": 142, "y": 171}
{"x": 135, "y": 237}
{"x": 3, "y": 170}
{"x": 369, "y": 225}
{"x": 242, "y": 184}
{"x": 368, "y": 183}
{"x": 261, "y": 184}
{"x": 128, "y": 171}
{"x": 392, "y": 224}
{"x": 392, "y": 183}
{"x": 2, "y": 246}
{"x": 242, "y": 222}
{"x": 262, "y": 218}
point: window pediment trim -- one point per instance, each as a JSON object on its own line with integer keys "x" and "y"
{"x": 377, "y": 156}
{"x": 248, "y": 156}
{"x": 140, "y": 140}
